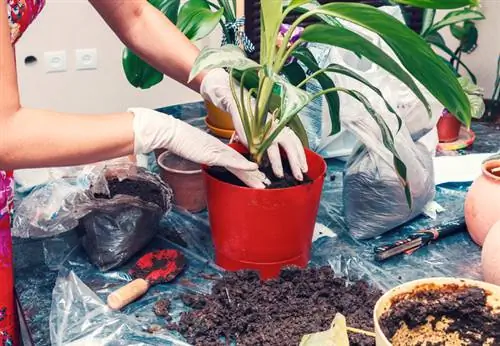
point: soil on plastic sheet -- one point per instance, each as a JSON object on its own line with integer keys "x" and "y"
{"x": 251, "y": 312}
{"x": 161, "y": 307}
{"x": 145, "y": 190}
{"x": 288, "y": 179}
{"x": 465, "y": 309}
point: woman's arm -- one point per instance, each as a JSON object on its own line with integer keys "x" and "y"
{"x": 35, "y": 138}
{"x": 153, "y": 37}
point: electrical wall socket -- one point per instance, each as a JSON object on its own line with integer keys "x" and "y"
{"x": 86, "y": 59}
{"x": 55, "y": 61}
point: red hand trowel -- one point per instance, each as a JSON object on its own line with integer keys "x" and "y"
{"x": 153, "y": 268}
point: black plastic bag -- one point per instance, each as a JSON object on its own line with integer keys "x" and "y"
{"x": 122, "y": 214}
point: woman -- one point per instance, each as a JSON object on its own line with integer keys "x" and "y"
{"x": 37, "y": 138}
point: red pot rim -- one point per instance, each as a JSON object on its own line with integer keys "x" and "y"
{"x": 237, "y": 146}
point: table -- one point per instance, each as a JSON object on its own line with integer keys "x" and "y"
{"x": 39, "y": 262}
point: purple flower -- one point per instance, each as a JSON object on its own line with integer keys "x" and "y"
{"x": 297, "y": 32}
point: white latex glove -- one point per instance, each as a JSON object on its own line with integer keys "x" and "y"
{"x": 155, "y": 130}
{"x": 215, "y": 88}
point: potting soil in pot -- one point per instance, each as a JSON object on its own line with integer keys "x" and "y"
{"x": 446, "y": 316}
{"x": 251, "y": 312}
{"x": 276, "y": 183}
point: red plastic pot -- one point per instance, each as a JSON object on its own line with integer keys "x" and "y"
{"x": 264, "y": 230}
{"x": 448, "y": 127}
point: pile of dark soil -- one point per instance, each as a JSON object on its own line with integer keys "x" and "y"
{"x": 279, "y": 312}
{"x": 465, "y": 308}
{"x": 145, "y": 190}
{"x": 276, "y": 183}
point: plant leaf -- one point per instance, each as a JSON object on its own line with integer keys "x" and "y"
{"x": 294, "y": 73}
{"x": 427, "y": 20}
{"x": 196, "y": 20}
{"x": 438, "y": 4}
{"x": 454, "y": 17}
{"x": 468, "y": 41}
{"x": 270, "y": 19}
{"x": 335, "y": 336}
{"x": 169, "y": 8}
{"x": 298, "y": 128}
{"x": 351, "y": 41}
{"x": 335, "y": 68}
{"x": 228, "y": 56}
{"x": 305, "y": 56}
{"x": 475, "y": 95}
{"x": 139, "y": 73}
{"x": 311, "y": 5}
{"x": 411, "y": 50}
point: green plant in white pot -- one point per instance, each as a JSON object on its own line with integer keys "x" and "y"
{"x": 267, "y": 229}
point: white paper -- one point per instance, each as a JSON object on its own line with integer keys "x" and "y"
{"x": 458, "y": 169}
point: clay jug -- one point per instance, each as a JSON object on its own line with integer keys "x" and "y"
{"x": 482, "y": 204}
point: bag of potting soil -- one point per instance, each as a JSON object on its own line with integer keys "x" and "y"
{"x": 121, "y": 213}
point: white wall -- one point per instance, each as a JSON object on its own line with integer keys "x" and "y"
{"x": 72, "y": 24}
{"x": 483, "y": 61}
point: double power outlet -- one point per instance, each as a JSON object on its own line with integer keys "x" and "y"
{"x": 56, "y": 61}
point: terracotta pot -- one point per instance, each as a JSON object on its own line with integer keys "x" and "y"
{"x": 410, "y": 288}
{"x": 186, "y": 180}
{"x": 260, "y": 229}
{"x": 482, "y": 203}
{"x": 490, "y": 256}
{"x": 448, "y": 127}
{"x": 219, "y": 122}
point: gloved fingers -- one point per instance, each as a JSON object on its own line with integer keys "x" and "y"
{"x": 274, "y": 156}
{"x": 289, "y": 146}
{"x": 254, "y": 179}
{"x": 230, "y": 158}
{"x": 300, "y": 151}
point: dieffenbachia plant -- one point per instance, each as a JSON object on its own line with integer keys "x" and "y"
{"x": 462, "y": 27}
{"x": 414, "y": 54}
{"x": 196, "y": 19}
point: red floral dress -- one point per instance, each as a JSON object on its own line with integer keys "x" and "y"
{"x": 20, "y": 14}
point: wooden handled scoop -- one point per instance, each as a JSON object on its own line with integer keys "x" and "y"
{"x": 153, "y": 268}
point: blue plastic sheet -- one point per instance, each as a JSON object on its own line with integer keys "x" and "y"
{"x": 79, "y": 311}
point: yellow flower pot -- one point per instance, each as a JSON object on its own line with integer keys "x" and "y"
{"x": 218, "y": 121}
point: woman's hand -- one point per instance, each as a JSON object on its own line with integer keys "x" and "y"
{"x": 215, "y": 88}
{"x": 154, "y": 130}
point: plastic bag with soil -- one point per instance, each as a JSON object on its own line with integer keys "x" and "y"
{"x": 122, "y": 213}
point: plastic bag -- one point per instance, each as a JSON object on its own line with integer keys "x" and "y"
{"x": 121, "y": 213}
{"x": 399, "y": 96}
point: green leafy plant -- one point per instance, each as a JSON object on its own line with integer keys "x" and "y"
{"x": 494, "y": 102}
{"x": 461, "y": 24}
{"x": 196, "y": 19}
{"x": 264, "y": 119}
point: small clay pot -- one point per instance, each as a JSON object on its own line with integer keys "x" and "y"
{"x": 482, "y": 203}
{"x": 186, "y": 180}
{"x": 448, "y": 127}
{"x": 411, "y": 289}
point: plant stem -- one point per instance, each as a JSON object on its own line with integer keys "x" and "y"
{"x": 311, "y": 76}
{"x": 244, "y": 120}
{"x": 288, "y": 53}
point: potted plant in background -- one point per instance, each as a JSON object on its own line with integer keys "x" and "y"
{"x": 271, "y": 228}
{"x": 196, "y": 19}
{"x": 493, "y": 108}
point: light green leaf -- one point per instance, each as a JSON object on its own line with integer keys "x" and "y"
{"x": 270, "y": 19}
{"x": 412, "y": 51}
{"x": 169, "y": 8}
{"x": 427, "y": 20}
{"x": 196, "y": 19}
{"x": 456, "y": 17}
{"x": 349, "y": 40}
{"x": 228, "y": 56}
{"x": 335, "y": 336}
{"x": 438, "y": 4}
{"x": 475, "y": 95}
{"x": 307, "y": 58}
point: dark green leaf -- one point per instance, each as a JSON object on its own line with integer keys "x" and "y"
{"x": 196, "y": 19}
{"x": 455, "y": 17}
{"x": 294, "y": 73}
{"x": 428, "y": 19}
{"x": 438, "y": 4}
{"x": 468, "y": 41}
{"x": 307, "y": 58}
{"x": 169, "y": 8}
{"x": 413, "y": 52}
{"x": 139, "y": 73}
